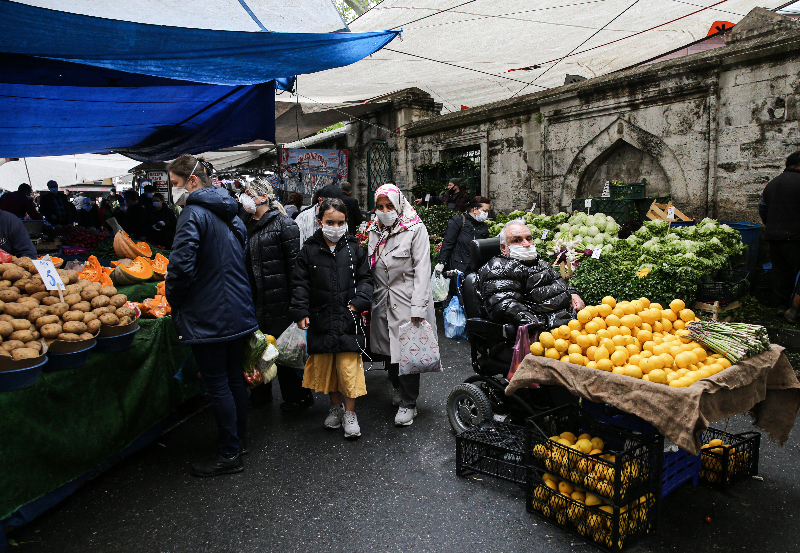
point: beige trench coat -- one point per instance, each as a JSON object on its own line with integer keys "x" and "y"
{"x": 402, "y": 280}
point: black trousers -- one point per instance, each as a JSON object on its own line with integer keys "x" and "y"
{"x": 785, "y": 255}
{"x": 291, "y": 385}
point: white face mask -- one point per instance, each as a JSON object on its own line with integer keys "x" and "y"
{"x": 179, "y": 195}
{"x": 481, "y": 216}
{"x": 248, "y": 203}
{"x": 388, "y": 218}
{"x": 334, "y": 233}
{"x": 522, "y": 253}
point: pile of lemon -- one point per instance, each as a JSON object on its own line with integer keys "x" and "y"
{"x": 713, "y": 460}
{"x": 633, "y": 338}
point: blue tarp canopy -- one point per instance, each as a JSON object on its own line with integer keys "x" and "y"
{"x": 73, "y": 83}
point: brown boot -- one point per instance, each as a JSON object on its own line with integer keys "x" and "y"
{"x": 793, "y": 312}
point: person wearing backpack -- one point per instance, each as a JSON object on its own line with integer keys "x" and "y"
{"x": 462, "y": 229}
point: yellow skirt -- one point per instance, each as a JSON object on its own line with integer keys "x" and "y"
{"x": 335, "y": 372}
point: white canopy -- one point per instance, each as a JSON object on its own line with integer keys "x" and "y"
{"x": 461, "y": 51}
{"x": 64, "y": 170}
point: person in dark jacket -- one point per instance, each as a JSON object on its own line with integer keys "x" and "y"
{"x": 454, "y": 197}
{"x": 212, "y": 305}
{"x": 20, "y": 203}
{"x": 14, "y": 237}
{"x": 518, "y": 288}
{"x": 354, "y": 215}
{"x": 462, "y": 229}
{"x": 161, "y": 223}
{"x": 135, "y": 223}
{"x": 273, "y": 242}
{"x": 55, "y": 206}
{"x": 89, "y": 215}
{"x": 294, "y": 204}
{"x": 778, "y": 209}
{"x": 332, "y": 286}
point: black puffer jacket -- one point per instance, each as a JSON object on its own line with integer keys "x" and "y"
{"x": 207, "y": 285}
{"x": 461, "y": 230}
{"x": 530, "y": 292}
{"x": 780, "y": 202}
{"x": 323, "y": 285}
{"x": 273, "y": 242}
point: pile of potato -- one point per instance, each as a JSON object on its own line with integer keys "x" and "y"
{"x": 29, "y": 312}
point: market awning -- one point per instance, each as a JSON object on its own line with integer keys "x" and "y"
{"x": 74, "y": 83}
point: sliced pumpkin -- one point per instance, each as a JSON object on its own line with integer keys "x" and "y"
{"x": 159, "y": 264}
{"x": 114, "y": 264}
{"x": 105, "y": 279}
{"x": 162, "y": 288}
{"x": 92, "y": 270}
{"x": 125, "y": 247}
{"x": 136, "y": 272}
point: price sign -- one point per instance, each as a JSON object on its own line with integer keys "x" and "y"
{"x": 544, "y": 234}
{"x": 596, "y": 252}
{"x": 427, "y": 197}
{"x": 587, "y": 202}
{"x": 50, "y": 277}
{"x": 671, "y": 213}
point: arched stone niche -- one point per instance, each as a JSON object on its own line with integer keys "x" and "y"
{"x": 624, "y": 148}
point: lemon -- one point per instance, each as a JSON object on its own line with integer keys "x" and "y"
{"x": 584, "y": 316}
{"x": 644, "y": 364}
{"x": 546, "y": 339}
{"x": 537, "y": 348}
{"x": 628, "y": 308}
{"x": 686, "y": 315}
{"x": 645, "y": 302}
{"x": 658, "y": 376}
{"x": 576, "y": 359}
{"x": 618, "y": 370}
{"x": 669, "y": 314}
{"x": 644, "y": 336}
{"x": 604, "y": 310}
{"x": 601, "y": 353}
{"x": 574, "y": 324}
{"x": 564, "y": 359}
{"x": 590, "y": 351}
{"x": 573, "y": 335}
{"x": 658, "y": 326}
{"x": 682, "y": 372}
{"x": 701, "y": 354}
{"x": 591, "y": 365}
{"x": 568, "y": 436}
{"x": 563, "y": 331}
{"x": 604, "y": 364}
{"x": 610, "y": 301}
{"x": 552, "y": 353}
{"x": 585, "y": 445}
{"x": 592, "y": 339}
{"x": 626, "y": 331}
{"x": 704, "y": 373}
{"x": 677, "y": 305}
{"x": 618, "y": 311}
{"x": 575, "y": 348}
{"x": 676, "y": 383}
{"x": 666, "y": 324}
{"x": 612, "y": 320}
{"x": 592, "y": 327}
{"x": 601, "y": 322}
{"x": 603, "y": 333}
{"x": 633, "y": 371}
{"x": 593, "y": 312}
{"x": 619, "y": 357}
{"x": 682, "y": 360}
{"x": 618, "y": 340}
{"x": 678, "y": 325}
{"x": 633, "y": 349}
{"x": 636, "y": 359}
{"x": 561, "y": 345}
{"x": 565, "y": 488}
{"x": 668, "y": 359}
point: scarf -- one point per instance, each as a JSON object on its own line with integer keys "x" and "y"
{"x": 406, "y": 217}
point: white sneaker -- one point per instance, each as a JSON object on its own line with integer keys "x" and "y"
{"x": 335, "y": 416}
{"x": 405, "y": 416}
{"x": 350, "y": 422}
{"x": 396, "y": 399}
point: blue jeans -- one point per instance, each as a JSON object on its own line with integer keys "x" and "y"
{"x": 220, "y": 365}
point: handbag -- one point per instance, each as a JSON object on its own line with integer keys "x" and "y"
{"x": 455, "y": 321}
{"x": 419, "y": 349}
{"x": 521, "y": 348}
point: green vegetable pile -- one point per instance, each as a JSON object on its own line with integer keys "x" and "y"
{"x": 435, "y": 218}
{"x": 736, "y": 341}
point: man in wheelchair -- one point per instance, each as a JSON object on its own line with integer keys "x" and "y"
{"x": 512, "y": 286}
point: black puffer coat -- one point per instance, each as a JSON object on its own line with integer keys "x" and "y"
{"x": 779, "y": 204}
{"x": 273, "y": 242}
{"x": 530, "y": 292}
{"x": 207, "y": 285}
{"x": 323, "y": 285}
{"x": 461, "y": 230}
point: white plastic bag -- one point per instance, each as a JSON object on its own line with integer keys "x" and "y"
{"x": 419, "y": 349}
{"x": 266, "y": 364}
{"x": 440, "y": 286}
{"x": 292, "y": 348}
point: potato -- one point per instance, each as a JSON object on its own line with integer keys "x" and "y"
{"x": 5, "y": 283}
{"x": 95, "y": 286}
{"x": 26, "y": 263}
{"x": 93, "y": 326}
{"x": 21, "y": 335}
{"x": 40, "y": 296}
{"x": 33, "y": 288}
{"x": 47, "y": 320}
{"x": 100, "y": 301}
{"x": 50, "y": 331}
{"x": 73, "y": 316}
{"x": 24, "y": 353}
{"x": 69, "y": 337}
{"x": 4, "y": 353}
{"x": 10, "y": 295}
{"x": 72, "y": 299}
{"x": 30, "y": 302}
{"x": 21, "y": 324}
{"x": 87, "y": 336}
{"x": 83, "y": 283}
{"x": 89, "y": 317}
{"x": 6, "y": 328}
{"x": 37, "y": 313}
{"x": 17, "y": 310}
{"x": 108, "y": 291}
{"x": 70, "y": 289}
{"x": 125, "y": 312}
{"x": 6, "y": 317}
{"x": 74, "y": 327}
{"x": 6, "y": 266}
{"x": 109, "y": 319}
{"x": 88, "y": 293}
{"x": 102, "y": 310}
{"x": 36, "y": 334}
{"x": 59, "y": 308}
{"x": 117, "y": 300}
{"x": 12, "y": 344}
{"x": 125, "y": 321}
{"x": 21, "y": 284}
{"x": 35, "y": 344}
{"x": 13, "y": 274}
{"x": 84, "y": 306}
{"x": 50, "y": 300}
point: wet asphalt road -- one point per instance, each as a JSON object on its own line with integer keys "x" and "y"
{"x": 305, "y": 488}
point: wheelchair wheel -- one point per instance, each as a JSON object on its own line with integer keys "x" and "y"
{"x": 468, "y": 407}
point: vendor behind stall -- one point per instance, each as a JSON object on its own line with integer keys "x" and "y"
{"x": 14, "y": 238}
{"x": 518, "y": 288}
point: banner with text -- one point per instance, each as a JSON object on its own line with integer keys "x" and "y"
{"x": 305, "y": 171}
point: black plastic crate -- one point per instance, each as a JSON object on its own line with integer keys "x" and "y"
{"x": 727, "y": 286}
{"x": 606, "y": 526}
{"x": 629, "y": 465}
{"x": 628, "y": 191}
{"x": 619, "y": 210}
{"x": 494, "y": 451}
{"x": 735, "y": 459}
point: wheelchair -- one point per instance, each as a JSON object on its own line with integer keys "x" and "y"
{"x": 480, "y": 399}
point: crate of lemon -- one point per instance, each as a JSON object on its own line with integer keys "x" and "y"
{"x": 728, "y": 457}
{"x": 591, "y": 478}
{"x": 636, "y": 338}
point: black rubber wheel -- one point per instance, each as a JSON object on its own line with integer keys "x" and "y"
{"x": 468, "y": 407}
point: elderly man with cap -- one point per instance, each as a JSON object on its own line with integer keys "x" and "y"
{"x": 307, "y": 219}
{"x": 55, "y": 206}
{"x": 20, "y": 203}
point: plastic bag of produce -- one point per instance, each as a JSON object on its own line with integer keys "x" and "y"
{"x": 521, "y": 349}
{"x": 419, "y": 349}
{"x": 292, "y": 347}
{"x": 254, "y": 348}
{"x": 455, "y": 321}
{"x": 266, "y": 364}
{"x": 440, "y": 286}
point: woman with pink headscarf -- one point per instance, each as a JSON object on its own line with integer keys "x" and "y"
{"x": 399, "y": 254}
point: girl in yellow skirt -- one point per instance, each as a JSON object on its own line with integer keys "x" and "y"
{"x": 331, "y": 287}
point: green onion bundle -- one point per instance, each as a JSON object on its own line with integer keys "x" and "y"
{"x": 736, "y": 341}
